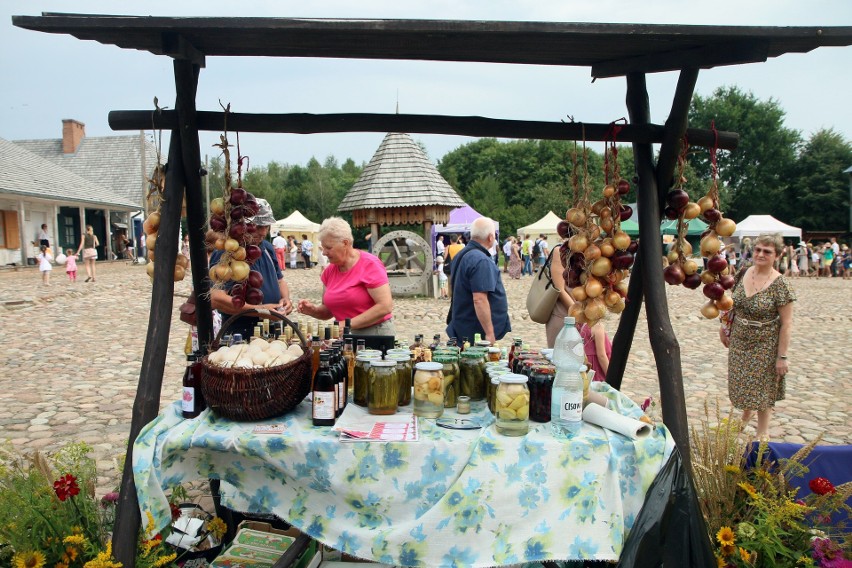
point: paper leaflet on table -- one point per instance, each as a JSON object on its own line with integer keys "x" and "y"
{"x": 611, "y": 420}
{"x": 358, "y": 425}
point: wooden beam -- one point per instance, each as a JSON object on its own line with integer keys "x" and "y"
{"x": 177, "y": 46}
{"x": 623, "y": 338}
{"x": 663, "y": 341}
{"x": 704, "y": 57}
{"x": 147, "y": 403}
{"x": 301, "y": 123}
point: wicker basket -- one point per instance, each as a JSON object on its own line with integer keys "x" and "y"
{"x": 246, "y": 395}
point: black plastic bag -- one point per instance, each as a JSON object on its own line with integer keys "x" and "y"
{"x": 670, "y": 530}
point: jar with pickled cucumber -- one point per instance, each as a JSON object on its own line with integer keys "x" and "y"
{"x": 493, "y": 383}
{"x": 472, "y": 376}
{"x": 450, "y": 369}
{"x": 512, "y": 405}
{"x": 429, "y": 390}
{"x": 360, "y": 386}
{"x": 403, "y": 376}
{"x": 383, "y": 387}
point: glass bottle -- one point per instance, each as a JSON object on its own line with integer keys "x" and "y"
{"x": 192, "y": 403}
{"x": 335, "y": 330}
{"x": 566, "y": 401}
{"x": 316, "y": 347}
{"x": 324, "y": 397}
{"x": 383, "y": 389}
{"x": 347, "y": 327}
{"x": 326, "y": 343}
{"x": 335, "y": 364}
{"x": 360, "y": 346}
{"x": 541, "y": 386}
{"x": 360, "y": 380}
{"x": 512, "y": 404}
{"x": 349, "y": 358}
{"x": 428, "y": 390}
{"x": 436, "y": 342}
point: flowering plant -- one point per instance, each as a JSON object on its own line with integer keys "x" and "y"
{"x": 754, "y": 516}
{"x": 54, "y": 520}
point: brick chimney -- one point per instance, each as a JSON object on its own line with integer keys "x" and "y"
{"x": 73, "y": 133}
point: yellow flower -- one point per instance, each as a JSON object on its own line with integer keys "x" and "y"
{"x": 165, "y": 560}
{"x": 725, "y": 536}
{"x": 150, "y": 529}
{"x": 77, "y": 529}
{"x": 103, "y": 559}
{"x": 61, "y": 564}
{"x": 76, "y": 539}
{"x": 28, "y": 559}
{"x": 745, "y": 555}
{"x": 72, "y": 553}
{"x": 217, "y": 528}
{"x": 721, "y": 562}
{"x": 748, "y": 488}
{"x": 805, "y": 561}
{"x": 732, "y": 469}
{"x": 728, "y": 550}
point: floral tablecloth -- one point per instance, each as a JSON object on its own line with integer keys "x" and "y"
{"x": 454, "y": 498}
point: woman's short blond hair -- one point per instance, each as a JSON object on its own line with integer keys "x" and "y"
{"x": 337, "y": 229}
{"x": 774, "y": 239}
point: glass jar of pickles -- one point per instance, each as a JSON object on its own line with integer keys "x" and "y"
{"x": 403, "y": 375}
{"x": 362, "y": 370}
{"x": 512, "y": 405}
{"x": 450, "y": 371}
{"x": 493, "y": 383}
{"x": 383, "y": 387}
{"x": 472, "y": 376}
{"x": 541, "y": 386}
{"x": 429, "y": 389}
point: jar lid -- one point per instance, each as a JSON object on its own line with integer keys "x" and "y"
{"x": 444, "y": 358}
{"x": 512, "y": 378}
{"x": 544, "y": 369}
{"x": 406, "y": 352}
{"x": 366, "y": 358}
{"x": 381, "y": 363}
{"x": 428, "y": 366}
{"x": 469, "y": 354}
{"x": 483, "y": 343}
{"x": 398, "y": 357}
{"x": 497, "y": 370}
{"x": 495, "y": 380}
{"x": 494, "y": 350}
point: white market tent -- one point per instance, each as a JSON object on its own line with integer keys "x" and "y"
{"x": 297, "y": 225}
{"x": 755, "y": 225}
{"x": 546, "y": 226}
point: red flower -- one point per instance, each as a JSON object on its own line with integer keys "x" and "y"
{"x": 66, "y": 486}
{"x": 175, "y": 511}
{"x": 821, "y": 486}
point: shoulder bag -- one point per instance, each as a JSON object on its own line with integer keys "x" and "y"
{"x": 543, "y": 294}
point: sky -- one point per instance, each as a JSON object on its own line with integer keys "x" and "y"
{"x": 49, "y": 77}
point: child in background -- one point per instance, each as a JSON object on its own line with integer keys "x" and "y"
{"x": 71, "y": 265}
{"x": 442, "y": 278}
{"x": 598, "y": 349}
{"x": 44, "y": 260}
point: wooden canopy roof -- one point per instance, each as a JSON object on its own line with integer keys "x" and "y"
{"x": 609, "y": 49}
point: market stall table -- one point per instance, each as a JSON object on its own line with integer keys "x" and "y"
{"x": 455, "y": 497}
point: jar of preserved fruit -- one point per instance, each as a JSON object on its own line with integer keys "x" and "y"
{"x": 521, "y": 357}
{"x": 494, "y": 354}
{"x": 450, "y": 370}
{"x": 471, "y": 375}
{"x": 512, "y": 403}
{"x": 541, "y": 385}
{"x": 530, "y": 363}
{"x": 361, "y": 379}
{"x": 383, "y": 389}
{"x": 429, "y": 389}
{"x": 403, "y": 376}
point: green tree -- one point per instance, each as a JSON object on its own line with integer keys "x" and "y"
{"x": 757, "y": 173}
{"x": 819, "y": 187}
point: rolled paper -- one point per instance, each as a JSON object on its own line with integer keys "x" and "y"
{"x": 605, "y": 418}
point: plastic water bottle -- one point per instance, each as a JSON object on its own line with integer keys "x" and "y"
{"x": 566, "y": 402}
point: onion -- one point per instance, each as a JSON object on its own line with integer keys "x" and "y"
{"x": 692, "y": 281}
{"x": 238, "y": 196}
{"x": 576, "y": 311}
{"x": 231, "y": 245}
{"x": 593, "y": 288}
{"x": 218, "y": 223}
{"x": 622, "y": 259}
{"x": 212, "y": 274}
{"x": 152, "y": 223}
{"x": 717, "y": 264}
{"x": 180, "y": 272}
{"x": 210, "y": 237}
{"x": 594, "y": 232}
{"x": 579, "y": 293}
{"x": 690, "y": 267}
{"x": 677, "y": 198}
{"x": 238, "y": 303}
{"x": 151, "y": 241}
{"x": 709, "y": 310}
{"x": 563, "y": 229}
{"x": 254, "y": 296}
{"x": 712, "y": 215}
{"x": 578, "y": 243}
{"x": 255, "y": 279}
{"x": 576, "y": 217}
{"x": 714, "y": 290}
{"x": 691, "y": 211}
{"x": 219, "y": 244}
{"x": 673, "y": 255}
{"x": 674, "y": 275}
{"x": 634, "y": 247}
{"x": 686, "y": 247}
{"x": 626, "y": 212}
{"x": 592, "y": 252}
{"x": 611, "y": 298}
{"x": 608, "y": 191}
{"x": 671, "y": 213}
{"x": 706, "y": 203}
{"x": 607, "y": 248}
{"x": 237, "y": 231}
{"x": 182, "y": 260}
{"x": 707, "y": 277}
{"x": 601, "y": 266}
{"x": 217, "y": 206}
{"x": 253, "y": 252}
{"x": 623, "y": 186}
{"x": 621, "y": 288}
{"x": 621, "y": 240}
{"x": 595, "y": 309}
{"x": 240, "y": 269}
{"x": 710, "y": 245}
{"x": 598, "y": 206}
{"x": 726, "y": 227}
{"x": 223, "y": 272}
{"x": 239, "y": 254}
{"x": 618, "y": 307}
{"x": 606, "y": 225}
{"x": 606, "y": 213}
{"x": 727, "y": 281}
{"x": 725, "y": 303}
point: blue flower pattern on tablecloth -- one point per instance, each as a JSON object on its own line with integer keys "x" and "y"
{"x": 497, "y": 500}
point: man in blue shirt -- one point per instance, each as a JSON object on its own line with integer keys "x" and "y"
{"x": 479, "y": 303}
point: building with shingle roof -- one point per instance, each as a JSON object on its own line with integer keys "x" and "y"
{"x": 400, "y": 186}
{"x": 67, "y": 183}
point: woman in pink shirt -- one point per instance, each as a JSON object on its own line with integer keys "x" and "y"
{"x": 598, "y": 349}
{"x": 355, "y": 284}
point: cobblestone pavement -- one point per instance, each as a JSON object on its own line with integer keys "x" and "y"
{"x": 74, "y": 352}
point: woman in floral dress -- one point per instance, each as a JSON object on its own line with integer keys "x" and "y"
{"x": 760, "y": 335}
{"x": 515, "y": 264}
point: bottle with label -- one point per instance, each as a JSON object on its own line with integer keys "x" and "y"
{"x": 436, "y": 342}
{"x": 326, "y": 343}
{"x": 316, "y": 347}
{"x": 338, "y": 371}
{"x": 335, "y": 330}
{"x": 566, "y": 406}
{"x": 324, "y": 397}
{"x": 192, "y": 403}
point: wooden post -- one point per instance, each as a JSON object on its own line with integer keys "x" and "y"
{"x": 626, "y": 327}
{"x": 147, "y": 403}
{"x": 663, "y": 341}
{"x": 186, "y": 78}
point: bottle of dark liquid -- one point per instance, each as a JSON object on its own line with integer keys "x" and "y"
{"x": 326, "y": 343}
{"x": 336, "y": 364}
{"x": 347, "y": 327}
{"x": 324, "y": 404}
{"x": 316, "y": 347}
{"x": 436, "y": 342}
{"x": 192, "y": 403}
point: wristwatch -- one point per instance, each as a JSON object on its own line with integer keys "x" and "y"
{"x": 782, "y": 357}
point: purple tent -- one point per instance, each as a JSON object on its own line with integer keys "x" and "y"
{"x": 459, "y": 222}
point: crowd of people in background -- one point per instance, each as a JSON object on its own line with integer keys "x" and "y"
{"x": 824, "y": 260}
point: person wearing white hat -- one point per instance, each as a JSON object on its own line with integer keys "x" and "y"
{"x": 276, "y": 293}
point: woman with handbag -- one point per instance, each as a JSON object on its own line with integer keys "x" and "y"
{"x": 759, "y": 335}
{"x": 563, "y": 302}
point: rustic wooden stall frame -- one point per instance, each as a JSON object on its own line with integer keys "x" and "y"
{"x": 610, "y": 50}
